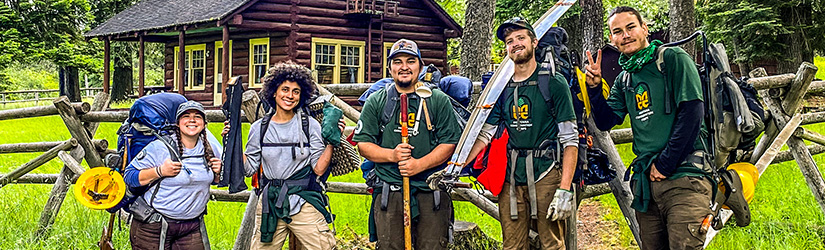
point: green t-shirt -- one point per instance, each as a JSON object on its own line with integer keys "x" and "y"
{"x": 643, "y": 99}
{"x": 446, "y": 130}
{"x": 535, "y": 122}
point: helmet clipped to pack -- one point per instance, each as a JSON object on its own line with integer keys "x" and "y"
{"x": 100, "y": 188}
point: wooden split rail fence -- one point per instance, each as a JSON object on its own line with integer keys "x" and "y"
{"x": 782, "y": 94}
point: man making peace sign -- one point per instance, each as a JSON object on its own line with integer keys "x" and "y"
{"x": 671, "y": 192}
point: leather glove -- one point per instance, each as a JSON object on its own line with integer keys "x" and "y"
{"x": 562, "y": 205}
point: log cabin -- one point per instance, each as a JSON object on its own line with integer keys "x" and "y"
{"x": 342, "y": 41}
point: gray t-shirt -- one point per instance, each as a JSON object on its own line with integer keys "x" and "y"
{"x": 277, "y": 161}
{"x": 185, "y": 195}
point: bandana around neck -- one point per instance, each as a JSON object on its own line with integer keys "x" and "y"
{"x": 635, "y": 62}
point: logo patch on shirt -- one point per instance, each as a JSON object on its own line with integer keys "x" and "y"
{"x": 643, "y": 102}
{"x": 520, "y": 112}
{"x": 141, "y": 155}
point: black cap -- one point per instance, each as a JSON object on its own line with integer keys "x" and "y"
{"x": 516, "y": 22}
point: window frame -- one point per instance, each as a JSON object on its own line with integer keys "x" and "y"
{"x": 336, "y": 69}
{"x": 252, "y": 44}
{"x": 216, "y": 91}
{"x": 188, "y": 49}
{"x": 386, "y": 69}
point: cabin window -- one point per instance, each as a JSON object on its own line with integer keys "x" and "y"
{"x": 258, "y": 61}
{"x": 218, "y": 88}
{"x": 194, "y": 67}
{"x": 387, "y": 48}
{"x": 337, "y": 61}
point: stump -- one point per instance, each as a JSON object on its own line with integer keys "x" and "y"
{"x": 468, "y": 236}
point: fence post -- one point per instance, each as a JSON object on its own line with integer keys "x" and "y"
{"x": 78, "y": 131}
{"x": 782, "y": 109}
{"x": 71, "y": 170}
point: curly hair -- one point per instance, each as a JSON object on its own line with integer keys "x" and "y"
{"x": 289, "y": 70}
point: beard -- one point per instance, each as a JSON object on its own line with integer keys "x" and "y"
{"x": 405, "y": 84}
{"x": 524, "y": 57}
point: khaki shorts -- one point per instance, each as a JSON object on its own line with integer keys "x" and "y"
{"x": 309, "y": 226}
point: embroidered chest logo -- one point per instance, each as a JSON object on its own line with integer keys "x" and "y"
{"x": 410, "y": 120}
{"x": 643, "y": 102}
{"x": 521, "y": 114}
{"x": 521, "y": 110}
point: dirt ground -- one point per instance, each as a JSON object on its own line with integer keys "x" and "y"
{"x": 593, "y": 231}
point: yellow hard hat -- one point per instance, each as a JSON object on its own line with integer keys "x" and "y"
{"x": 749, "y": 176}
{"x": 100, "y": 188}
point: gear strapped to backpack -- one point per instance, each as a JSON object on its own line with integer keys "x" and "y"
{"x": 733, "y": 120}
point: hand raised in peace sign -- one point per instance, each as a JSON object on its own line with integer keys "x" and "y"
{"x": 594, "y": 70}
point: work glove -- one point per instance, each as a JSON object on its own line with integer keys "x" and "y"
{"x": 434, "y": 179}
{"x": 562, "y": 205}
{"x": 330, "y": 130}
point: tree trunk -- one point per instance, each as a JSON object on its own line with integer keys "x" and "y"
{"x": 573, "y": 26}
{"x": 122, "y": 75}
{"x": 592, "y": 26}
{"x": 69, "y": 83}
{"x": 477, "y": 38}
{"x": 799, "y": 49}
{"x": 683, "y": 23}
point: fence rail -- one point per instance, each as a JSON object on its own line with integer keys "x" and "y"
{"x": 782, "y": 94}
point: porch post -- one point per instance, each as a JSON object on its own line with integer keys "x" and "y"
{"x": 181, "y": 61}
{"x": 106, "y": 64}
{"x": 141, "y": 67}
{"x": 225, "y": 60}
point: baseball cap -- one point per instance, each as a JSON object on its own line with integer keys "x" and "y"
{"x": 189, "y": 105}
{"x": 405, "y": 46}
{"x": 516, "y": 22}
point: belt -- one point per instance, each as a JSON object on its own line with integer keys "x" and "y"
{"x": 386, "y": 188}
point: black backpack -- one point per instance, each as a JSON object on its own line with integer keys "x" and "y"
{"x": 552, "y": 53}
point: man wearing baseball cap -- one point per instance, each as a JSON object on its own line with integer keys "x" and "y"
{"x": 542, "y": 144}
{"x": 379, "y": 140}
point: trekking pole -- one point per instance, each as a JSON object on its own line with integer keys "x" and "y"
{"x": 405, "y": 181}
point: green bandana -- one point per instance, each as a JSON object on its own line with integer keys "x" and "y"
{"x": 634, "y": 63}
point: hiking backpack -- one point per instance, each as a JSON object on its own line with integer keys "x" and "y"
{"x": 150, "y": 118}
{"x": 734, "y": 117}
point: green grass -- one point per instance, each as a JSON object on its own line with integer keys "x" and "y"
{"x": 78, "y": 227}
{"x": 820, "y": 63}
{"x": 785, "y": 214}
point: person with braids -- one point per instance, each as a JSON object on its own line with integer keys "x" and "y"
{"x": 287, "y": 153}
{"x": 179, "y": 190}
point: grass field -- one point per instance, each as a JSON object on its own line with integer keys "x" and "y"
{"x": 820, "y": 63}
{"x": 785, "y": 214}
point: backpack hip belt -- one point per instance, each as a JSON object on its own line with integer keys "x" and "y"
{"x": 550, "y": 151}
{"x": 386, "y": 188}
{"x": 284, "y": 184}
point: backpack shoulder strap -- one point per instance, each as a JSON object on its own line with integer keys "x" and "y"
{"x": 389, "y": 105}
{"x": 660, "y": 59}
{"x": 265, "y": 125}
{"x": 305, "y": 124}
{"x": 660, "y": 64}
{"x": 544, "y": 87}
{"x": 549, "y": 61}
